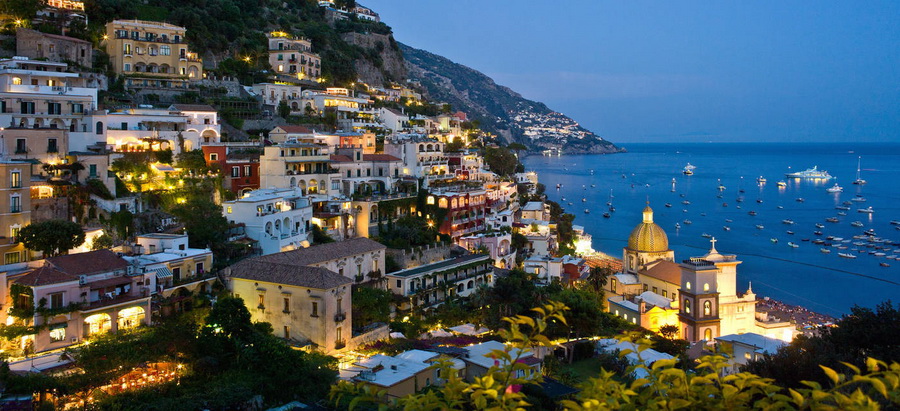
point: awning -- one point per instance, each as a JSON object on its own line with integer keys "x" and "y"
{"x": 163, "y": 273}
{"x": 109, "y": 282}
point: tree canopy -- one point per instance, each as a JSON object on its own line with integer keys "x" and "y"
{"x": 203, "y": 221}
{"x": 52, "y": 237}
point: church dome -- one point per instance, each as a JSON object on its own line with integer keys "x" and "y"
{"x": 648, "y": 236}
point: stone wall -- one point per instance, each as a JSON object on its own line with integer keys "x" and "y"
{"x": 53, "y": 208}
{"x": 417, "y": 256}
{"x": 380, "y": 332}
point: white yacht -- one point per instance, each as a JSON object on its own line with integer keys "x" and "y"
{"x": 867, "y": 210}
{"x": 835, "y": 189}
{"x": 812, "y": 173}
{"x": 688, "y": 169}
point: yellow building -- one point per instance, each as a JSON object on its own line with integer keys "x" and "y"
{"x": 151, "y": 54}
{"x": 15, "y": 209}
{"x": 292, "y": 56}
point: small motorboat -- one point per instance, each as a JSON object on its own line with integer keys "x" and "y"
{"x": 832, "y": 219}
{"x": 842, "y": 208}
{"x": 752, "y": 212}
{"x": 587, "y": 211}
{"x": 817, "y": 232}
{"x": 841, "y": 213}
{"x": 792, "y": 245}
{"x": 800, "y": 199}
{"x": 895, "y": 222}
{"x": 677, "y": 226}
{"x": 884, "y": 264}
{"x": 824, "y": 250}
{"x": 704, "y": 235}
{"x": 857, "y": 224}
{"x": 820, "y": 225}
{"x": 739, "y": 199}
{"x": 859, "y": 198}
{"x": 774, "y": 240}
{"x": 760, "y": 179}
{"x": 787, "y": 221}
{"x": 759, "y": 200}
{"x": 804, "y": 239}
{"x": 780, "y": 207}
{"x": 687, "y": 222}
{"x": 728, "y": 220}
{"x": 760, "y": 227}
{"x": 790, "y": 232}
{"x": 724, "y": 204}
{"x": 835, "y": 189}
{"x": 702, "y": 214}
{"x": 606, "y": 215}
{"x": 867, "y": 210}
{"x": 685, "y": 202}
{"x": 668, "y": 205}
{"x": 847, "y": 255}
{"x": 583, "y": 199}
{"x": 782, "y": 184}
{"x": 726, "y": 228}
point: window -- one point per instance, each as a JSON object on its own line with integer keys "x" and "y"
{"x": 315, "y": 309}
{"x": 646, "y": 287}
{"x": 176, "y": 273}
{"x": 14, "y": 232}
{"x": 15, "y": 204}
{"x": 287, "y": 305}
{"x": 54, "y": 108}
{"x": 612, "y": 285}
{"x": 58, "y": 332}
{"x": 399, "y": 283}
{"x": 705, "y": 286}
{"x": 214, "y": 157}
{"x": 127, "y": 67}
{"x": 707, "y": 335}
{"x": 15, "y": 179}
{"x": 17, "y": 81}
{"x": 235, "y": 171}
{"x": 687, "y": 306}
{"x": 261, "y": 301}
{"x": 707, "y": 308}
{"x": 247, "y": 172}
{"x": 127, "y": 49}
{"x": 199, "y": 268}
{"x": 165, "y": 51}
{"x": 92, "y": 171}
{"x": 77, "y": 108}
{"x": 287, "y": 332}
{"x": 228, "y": 209}
{"x": 664, "y": 293}
{"x": 99, "y": 127}
{"x": 56, "y": 301}
{"x": 688, "y": 285}
{"x": 27, "y": 107}
{"x": 52, "y": 147}
{"x": 12, "y": 258}
{"x": 655, "y": 290}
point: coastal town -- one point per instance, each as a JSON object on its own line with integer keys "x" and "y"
{"x": 367, "y": 227}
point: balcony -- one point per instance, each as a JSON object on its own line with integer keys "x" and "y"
{"x": 105, "y": 301}
{"x": 340, "y": 317}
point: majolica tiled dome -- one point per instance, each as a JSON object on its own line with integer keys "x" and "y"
{"x": 648, "y": 236}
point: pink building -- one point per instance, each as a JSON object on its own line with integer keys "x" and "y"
{"x": 74, "y": 297}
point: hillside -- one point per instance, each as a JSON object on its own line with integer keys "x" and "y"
{"x": 499, "y": 109}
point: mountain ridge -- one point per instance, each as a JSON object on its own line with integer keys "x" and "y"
{"x": 499, "y": 109}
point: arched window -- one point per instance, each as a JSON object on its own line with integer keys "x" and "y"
{"x": 688, "y": 285}
{"x": 687, "y": 306}
{"x": 99, "y": 127}
{"x": 707, "y": 308}
{"x": 705, "y": 286}
{"x": 707, "y": 335}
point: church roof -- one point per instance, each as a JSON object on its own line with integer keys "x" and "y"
{"x": 648, "y": 236}
{"x": 664, "y": 270}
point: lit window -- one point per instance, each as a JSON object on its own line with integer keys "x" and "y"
{"x": 705, "y": 286}
{"x": 687, "y": 306}
{"x": 688, "y": 285}
{"x": 707, "y": 308}
{"x": 17, "y": 81}
{"x": 58, "y": 332}
{"x": 229, "y": 209}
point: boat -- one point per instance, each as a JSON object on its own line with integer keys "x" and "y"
{"x": 812, "y": 173}
{"x": 782, "y": 184}
{"x": 724, "y": 204}
{"x": 884, "y": 264}
{"x": 867, "y": 210}
{"x": 820, "y": 225}
{"x": 895, "y": 222}
{"x": 879, "y": 254}
{"x": 688, "y": 169}
{"x": 847, "y": 255}
{"x": 583, "y": 199}
{"x": 702, "y": 214}
{"x": 859, "y": 181}
{"x": 857, "y": 224}
{"x": 677, "y": 226}
{"x": 685, "y": 202}
{"x": 688, "y": 222}
{"x": 835, "y": 189}
{"x": 612, "y": 209}
{"x": 759, "y": 200}
{"x": 721, "y": 187}
{"x": 587, "y": 211}
{"x": 728, "y": 220}
{"x": 759, "y": 227}
{"x": 841, "y": 213}
{"x": 800, "y": 199}
{"x": 790, "y": 232}
{"x": 760, "y": 179}
{"x": 726, "y": 228}
{"x": 841, "y": 208}
{"x": 817, "y": 232}
{"x": 818, "y": 241}
{"x": 780, "y": 207}
{"x": 859, "y": 198}
{"x": 704, "y": 235}
{"x": 751, "y": 212}
{"x": 847, "y": 203}
{"x": 605, "y": 215}
{"x": 774, "y": 240}
{"x": 824, "y": 250}
{"x": 593, "y": 185}
{"x": 558, "y": 186}
{"x": 832, "y": 219}
{"x": 792, "y": 245}
{"x": 668, "y": 205}
{"x": 739, "y": 199}
{"x": 869, "y": 232}
{"x": 787, "y": 221}
{"x": 804, "y": 239}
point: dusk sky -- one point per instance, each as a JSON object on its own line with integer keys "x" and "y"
{"x": 635, "y": 71}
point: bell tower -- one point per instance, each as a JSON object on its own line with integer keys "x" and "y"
{"x": 699, "y": 293}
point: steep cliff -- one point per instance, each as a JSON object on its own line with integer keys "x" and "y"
{"x": 499, "y": 109}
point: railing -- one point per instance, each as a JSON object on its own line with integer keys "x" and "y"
{"x": 339, "y": 344}
{"x": 340, "y": 317}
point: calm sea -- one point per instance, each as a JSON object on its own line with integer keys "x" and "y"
{"x": 804, "y": 276}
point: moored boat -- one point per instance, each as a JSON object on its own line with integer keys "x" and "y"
{"x": 867, "y": 210}
{"x": 811, "y": 173}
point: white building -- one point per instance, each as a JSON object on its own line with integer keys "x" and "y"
{"x": 147, "y": 128}
{"x": 747, "y": 347}
{"x": 497, "y": 244}
{"x": 430, "y": 285}
{"x": 273, "y": 94}
{"x": 421, "y": 157}
{"x": 536, "y": 210}
{"x": 306, "y": 166}
{"x": 545, "y": 268}
{"x": 277, "y": 218}
{"x": 393, "y": 119}
{"x": 169, "y": 256}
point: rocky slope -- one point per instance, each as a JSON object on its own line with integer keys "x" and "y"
{"x": 499, "y": 109}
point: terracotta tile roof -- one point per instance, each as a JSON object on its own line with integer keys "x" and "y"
{"x": 282, "y": 273}
{"x": 379, "y": 157}
{"x": 193, "y": 107}
{"x": 341, "y": 158}
{"x": 92, "y": 262}
{"x": 296, "y": 129}
{"x": 45, "y": 275}
{"x": 664, "y": 270}
{"x": 324, "y": 252}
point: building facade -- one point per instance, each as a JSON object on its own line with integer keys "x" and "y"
{"x": 151, "y": 54}
{"x": 278, "y": 219}
{"x": 292, "y": 56}
{"x": 61, "y": 49}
